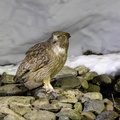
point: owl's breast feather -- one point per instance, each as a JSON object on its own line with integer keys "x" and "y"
{"x": 58, "y": 50}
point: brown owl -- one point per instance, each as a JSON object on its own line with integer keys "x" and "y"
{"x": 43, "y": 61}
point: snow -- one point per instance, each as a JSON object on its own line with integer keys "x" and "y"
{"x": 102, "y": 64}
{"x": 93, "y": 25}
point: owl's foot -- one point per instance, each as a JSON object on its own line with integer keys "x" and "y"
{"x": 48, "y": 89}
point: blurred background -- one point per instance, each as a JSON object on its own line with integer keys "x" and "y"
{"x": 93, "y": 25}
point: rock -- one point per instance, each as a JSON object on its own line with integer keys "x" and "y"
{"x": 40, "y": 115}
{"x": 107, "y": 101}
{"x": 6, "y": 78}
{"x": 69, "y": 96}
{"x": 109, "y": 107}
{"x": 88, "y": 115}
{"x": 84, "y": 82}
{"x": 13, "y": 89}
{"x": 63, "y": 118}
{"x": 96, "y": 106}
{"x": 12, "y": 117}
{"x": 117, "y": 86}
{"x": 30, "y": 84}
{"x": 20, "y": 109}
{"x": 40, "y": 93}
{"x": 44, "y": 104}
{"x": 70, "y": 93}
{"x": 68, "y": 100}
{"x": 93, "y": 88}
{"x": 106, "y": 115}
{"x": 72, "y": 114}
{"x": 90, "y": 75}
{"x": 65, "y": 72}
{"x": 102, "y": 79}
{"x": 78, "y": 107}
{"x": 6, "y": 110}
{"x": 94, "y": 95}
{"x": 2, "y": 116}
{"x": 62, "y": 105}
{"x": 117, "y": 104}
{"x": 16, "y": 100}
{"x": 82, "y": 70}
{"x": 38, "y": 103}
{"x": 83, "y": 99}
{"x": 68, "y": 82}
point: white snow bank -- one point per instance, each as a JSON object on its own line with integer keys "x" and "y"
{"x": 103, "y": 64}
{"x": 93, "y": 25}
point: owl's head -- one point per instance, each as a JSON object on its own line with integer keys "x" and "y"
{"x": 59, "y": 35}
{"x": 60, "y": 38}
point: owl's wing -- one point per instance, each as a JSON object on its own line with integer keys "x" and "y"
{"x": 36, "y": 58}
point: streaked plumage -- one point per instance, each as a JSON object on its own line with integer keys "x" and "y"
{"x": 43, "y": 61}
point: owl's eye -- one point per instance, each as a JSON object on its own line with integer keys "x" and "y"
{"x": 59, "y": 37}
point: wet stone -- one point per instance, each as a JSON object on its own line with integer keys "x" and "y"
{"x": 96, "y": 106}
{"x": 106, "y": 115}
{"x": 88, "y": 115}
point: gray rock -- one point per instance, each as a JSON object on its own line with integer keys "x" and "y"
{"x": 6, "y": 78}
{"x": 82, "y": 70}
{"x": 96, "y": 106}
{"x": 13, "y": 89}
{"x": 40, "y": 115}
{"x": 106, "y": 115}
{"x": 90, "y": 75}
{"x": 68, "y": 82}
{"x": 66, "y": 71}
{"x": 63, "y": 118}
{"x": 72, "y": 114}
{"x": 40, "y": 94}
{"x": 102, "y": 79}
{"x": 88, "y": 115}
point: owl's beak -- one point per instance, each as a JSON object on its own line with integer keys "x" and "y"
{"x": 68, "y": 35}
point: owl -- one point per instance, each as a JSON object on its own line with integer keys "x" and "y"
{"x": 43, "y": 61}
